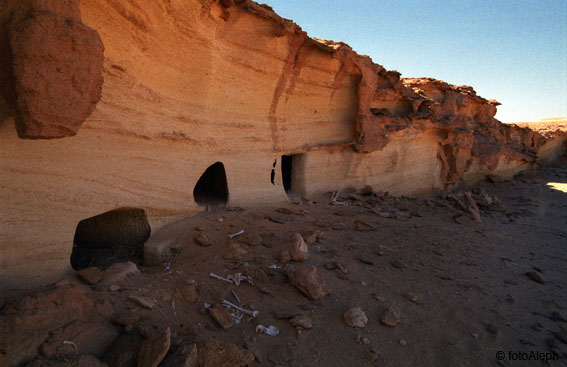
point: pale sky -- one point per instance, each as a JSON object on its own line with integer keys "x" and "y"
{"x": 514, "y": 51}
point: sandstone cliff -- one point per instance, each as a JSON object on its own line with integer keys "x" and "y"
{"x": 147, "y": 98}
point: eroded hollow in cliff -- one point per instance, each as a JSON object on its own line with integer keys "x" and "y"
{"x": 291, "y": 174}
{"x": 212, "y": 187}
{"x": 114, "y": 236}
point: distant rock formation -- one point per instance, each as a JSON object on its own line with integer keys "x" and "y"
{"x": 163, "y": 96}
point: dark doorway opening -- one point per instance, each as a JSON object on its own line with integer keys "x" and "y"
{"x": 287, "y": 171}
{"x": 114, "y": 236}
{"x": 212, "y": 188}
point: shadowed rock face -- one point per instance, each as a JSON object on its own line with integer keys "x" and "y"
{"x": 115, "y": 236}
{"x": 57, "y": 72}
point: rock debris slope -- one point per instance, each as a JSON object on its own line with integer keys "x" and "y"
{"x": 148, "y": 97}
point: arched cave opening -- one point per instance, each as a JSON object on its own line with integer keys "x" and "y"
{"x": 212, "y": 187}
{"x": 114, "y": 236}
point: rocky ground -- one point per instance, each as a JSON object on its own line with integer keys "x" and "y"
{"x": 473, "y": 278}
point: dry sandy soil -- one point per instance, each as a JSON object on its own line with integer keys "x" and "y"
{"x": 462, "y": 291}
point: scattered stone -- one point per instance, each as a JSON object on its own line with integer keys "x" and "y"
{"x": 127, "y": 318}
{"x": 363, "y": 226}
{"x": 361, "y": 339}
{"x": 114, "y": 288}
{"x": 537, "y": 326}
{"x": 284, "y": 314}
{"x": 355, "y": 318}
{"x": 372, "y": 356}
{"x": 398, "y": 264}
{"x": 251, "y": 239}
{"x": 383, "y": 250}
{"x": 187, "y": 294}
{"x": 415, "y": 212}
{"x": 311, "y": 236}
{"x": 301, "y": 321}
{"x": 90, "y": 275}
{"x": 411, "y": 297}
{"x": 298, "y": 248}
{"x": 235, "y": 251}
{"x": 403, "y": 343}
{"x": 535, "y": 277}
{"x": 203, "y": 240}
{"x": 306, "y": 280}
{"x": 222, "y": 316}
{"x": 280, "y": 219}
{"x": 117, "y": 272}
{"x": 213, "y": 353}
{"x": 390, "y": 317}
{"x": 142, "y": 301}
{"x": 331, "y": 266}
{"x": 400, "y": 215}
{"x": 154, "y": 349}
{"x": 285, "y": 211}
{"x": 365, "y": 260}
{"x": 379, "y": 298}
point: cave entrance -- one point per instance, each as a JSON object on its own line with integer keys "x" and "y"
{"x": 212, "y": 188}
{"x": 287, "y": 171}
{"x": 114, "y": 236}
{"x": 293, "y": 169}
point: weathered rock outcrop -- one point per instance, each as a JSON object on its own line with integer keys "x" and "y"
{"x": 202, "y": 91}
{"x": 56, "y": 65}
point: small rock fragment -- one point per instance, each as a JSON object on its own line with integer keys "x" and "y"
{"x": 222, "y": 316}
{"x": 390, "y": 317}
{"x": 379, "y": 298}
{"x": 355, "y": 318}
{"x": 411, "y": 297}
{"x": 298, "y": 248}
{"x": 306, "y": 280}
{"x": 187, "y": 294}
{"x": 365, "y": 260}
{"x": 203, "y": 240}
{"x": 311, "y": 236}
{"x": 114, "y": 288}
{"x": 251, "y": 239}
{"x": 363, "y": 226}
{"x": 120, "y": 271}
{"x": 535, "y": 277}
{"x": 235, "y": 251}
{"x": 362, "y": 339}
{"x": 398, "y": 264}
{"x": 301, "y": 321}
{"x": 403, "y": 343}
{"x": 91, "y": 275}
{"x": 142, "y": 301}
{"x": 154, "y": 349}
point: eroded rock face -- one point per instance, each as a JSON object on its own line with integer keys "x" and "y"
{"x": 57, "y": 71}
